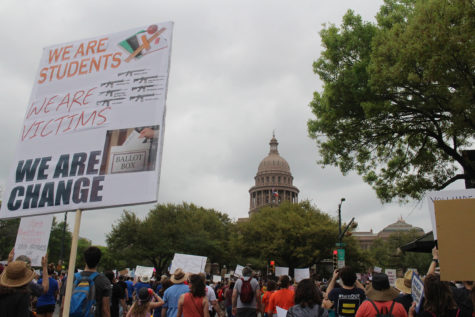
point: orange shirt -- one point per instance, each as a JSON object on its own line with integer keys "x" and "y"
{"x": 266, "y": 300}
{"x": 284, "y": 298}
{"x": 367, "y": 309}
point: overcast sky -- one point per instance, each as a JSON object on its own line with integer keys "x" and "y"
{"x": 239, "y": 70}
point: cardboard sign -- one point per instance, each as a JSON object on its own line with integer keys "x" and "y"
{"x": 238, "y": 270}
{"x": 143, "y": 271}
{"x": 188, "y": 263}
{"x": 217, "y": 278}
{"x": 301, "y": 274}
{"x": 32, "y": 238}
{"x": 391, "y": 273}
{"x": 417, "y": 291}
{"x": 456, "y": 243}
{"x": 445, "y": 195}
{"x": 92, "y": 135}
{"x": 279, "y": 271}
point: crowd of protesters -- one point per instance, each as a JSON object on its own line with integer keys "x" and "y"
{"x": 24, "y": 293}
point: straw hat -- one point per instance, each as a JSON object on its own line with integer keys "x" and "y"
{"x": 144, "y": 279}
{"x": 16, "y": 274}
{"x": 179, "y": 276}
{"x": 380, "y": 290}
{"x": 405, "y": 284}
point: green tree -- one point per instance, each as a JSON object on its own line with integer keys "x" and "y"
{"x": 58, "y": 238}
{"x": 294, "y": 235}
{"x": 169, "y": 229}
{"x": 8, "y": 233}
{"x": 398, "y": 100}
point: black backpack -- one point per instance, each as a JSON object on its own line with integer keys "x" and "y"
{"x": 384, "y": 313}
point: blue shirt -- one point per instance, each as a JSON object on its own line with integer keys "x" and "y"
{"x": 140, "y": 285}
{"x": 48, "y": 298}
{"x": 130, "y": 288}
{"x": 171, "y": 297}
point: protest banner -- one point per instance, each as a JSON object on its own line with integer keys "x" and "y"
{"x": 455, "y": 219}
{"x": 188, "y": 263}
{"x": 92, "y": 134}
{"x": 279, "y": 271}
{"x": 32, "y": 238}
{"x": 391, "y": 273}
{"x": 144, "y": 271}
{"x": 417, "y": 291}
{"x": 445, "y": 195}
{"x": 300, "y": 274}
{"x": 217, "y": 278}
{"x": 238, "y": 270}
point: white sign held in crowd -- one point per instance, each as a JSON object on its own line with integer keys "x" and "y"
{"x": 377, "y": 269}
{"x": 391, "y": 273}
{"x": 238, "y": 270}
{"x": 300, "y": 274}
{"x": 217, "y": 278}
{"x": 281, "y": 312}
{"x": 445, "y": 195}
{"x": 189, "y": 263}
{"x": 143, "y": 271}
{"x": 279, "y": 271}
{"x": 417, "y": 291}
{"x": 92, "y": 135}
{"x": 32, "y": 238}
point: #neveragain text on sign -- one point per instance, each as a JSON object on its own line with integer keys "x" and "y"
{"x": 92, "y": 135}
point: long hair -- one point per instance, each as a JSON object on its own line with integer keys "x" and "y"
{"x": 307, "y": 294}
{"x": 142, "y": 303}
{"x": 197, "y": 286}
{"x": 438, "y": 296}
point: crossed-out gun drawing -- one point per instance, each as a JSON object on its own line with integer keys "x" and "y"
{"x": 144, "y": 79}
{"x": 106, "y": 102}
{"x": 109, "y": 92}
{"x": 140, "y": 97}
{"x": 131, "y": 72}
{"x": 111, "y": 83}
{"x": 142, "y": 88}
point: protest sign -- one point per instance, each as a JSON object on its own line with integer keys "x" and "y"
{"x": 300, "y": 274}
{"x": 92, "y": 135}
{"x": 32, "y": 238}
{"x": 377, "y": 269}
{"x": 279, "y": 271}
{"x": 391, "y": 273}
{"x": 455, "y": 219}
{"x": 417, "y": 291}
{"x": 227, "y": 276}
{"x": 445, "y": 195}
{"x": 238, "y": 270}
{"x": 188, "y": 263}
{"x": 281, "y": 312}
{"x": 124, "y": 272}
{"x": 217, "y": 278}
{"x": 143, "y": 271}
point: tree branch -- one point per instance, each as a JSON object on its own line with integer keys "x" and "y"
{"x": 451, "y": 180}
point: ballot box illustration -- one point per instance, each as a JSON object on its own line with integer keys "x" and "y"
{"x": 131, "y": 156}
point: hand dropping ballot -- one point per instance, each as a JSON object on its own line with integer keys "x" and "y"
{"x": 131, "y": 156}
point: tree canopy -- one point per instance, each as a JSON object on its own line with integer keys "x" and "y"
{"x": 397, "y": 104}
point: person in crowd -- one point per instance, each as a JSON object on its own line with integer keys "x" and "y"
{"x": 438, "y": 299}
{"x": 240, "y": 309}
{"x": 14, "y": 290}
{"x": 463, "y": 298}
{"x": 308, "y": 301}
{"x": 46, "y": 303}
{"x": 118, "y": 296}
{"x": 404, "y": 285}
{"x": 284, "y": 297}
{"x": 173, "y": 293}
{"x": 211, "y": 296}
{"x": 381, "y": 299}
{"x": 130, "y": 291}
{"x": 143, "y": 281}
{"x": 346, "y": 299}
{"x": 146, "y": 301}
{"x": 194, "y": 303}
{"x": 35, "y": 288}
{"x": 228, "y": 299}
{"x": 166, "y": 283}
{"x": 270, "y": 289}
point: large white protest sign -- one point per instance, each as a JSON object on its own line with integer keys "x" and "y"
{"x": 217, "y": 278}
{"x": 391, "y": 273}
{"x": 300, "y": 274}
{"x": 92, "y": 135}
{"x": 188, "y": 263}
{"x": 32, "y": 238}
{"x": 238, "y": 270}
{"x": 445, "y": 195}
{"x": 279, "y": 271}
{"x": 377, "y": 269}
{"x": 144, "y": 271}
{"x": 417, "y": 291}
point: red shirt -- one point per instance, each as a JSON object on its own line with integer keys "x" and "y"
{"x": 367, "y": 309}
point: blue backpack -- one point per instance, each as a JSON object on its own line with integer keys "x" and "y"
{"x": 83, "y": 298}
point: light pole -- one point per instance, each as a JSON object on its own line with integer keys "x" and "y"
{"x": 339, "y": 220}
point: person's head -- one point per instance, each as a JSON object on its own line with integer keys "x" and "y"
{"x": 92, "y": 256}
{"x": 142, "y": 303}
{"x": 284, "y": 281}
{"x": 51, "y": 269}
{"x": 437, "y": 295}
{"x": 178, "y": 276}
{"x": 380, "y": 290}
{"x": 246, "y": 271}
{"x": 25, "y": 259}
{"x": 271, "y": 285}
{"x": 17, "y": 274}
{"x": 110, "y": 275}
{"x": 348, "y": 276}
{"x": 307, "y": 294}
{"x": 197, "y": 286}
